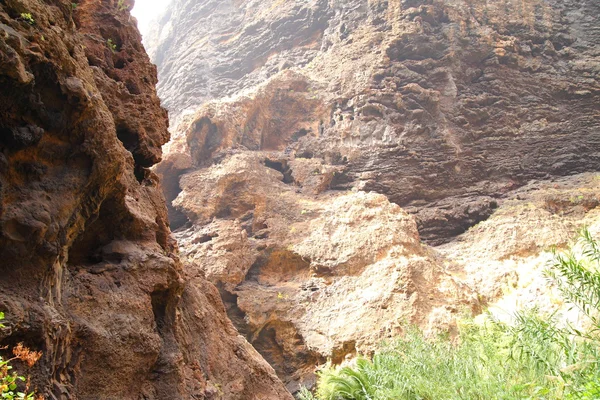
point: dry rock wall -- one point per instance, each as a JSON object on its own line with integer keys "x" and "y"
{"x": 310, "y": 277}
{"x": 301, "y": 128}
{"x": 89, "y": 273}
{"x": 442, "y": 106}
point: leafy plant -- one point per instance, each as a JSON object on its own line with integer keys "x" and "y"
{"x": 111, "y": 45}
{"x": 478, "y": 367}
{"x": 576, "y": 273}
{"x": 9, "y": 380}
{"x": 121, "y": 6}
{"x": 27, "y": 17}
{"x": 533, "y": 358}
{"x": 578, "y": 279}
{"x": 305, "y": 394}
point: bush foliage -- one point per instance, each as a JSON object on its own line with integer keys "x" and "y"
{"x": 533, "y": 358}
{"x": 9, "y": 380}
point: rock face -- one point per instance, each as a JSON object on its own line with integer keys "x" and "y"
{"x": 89, "y": 272}
{"x": 310, "y": 276}
{"x": 300, "y": 126}
{"x": 503, "y": 258}
{"x": 442, "y": 106}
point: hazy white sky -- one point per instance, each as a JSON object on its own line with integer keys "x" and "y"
{"x": 146, "y": 10}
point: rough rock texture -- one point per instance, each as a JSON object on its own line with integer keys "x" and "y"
{"x": 503, "y": 258}
{"x": 310, "y": 277}
{"x": 286, "y": 113}
{"x": 89, "y": 273}
{"x": 442, "y": 106}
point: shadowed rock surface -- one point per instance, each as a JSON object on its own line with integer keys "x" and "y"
{"x": 89, "y": 273}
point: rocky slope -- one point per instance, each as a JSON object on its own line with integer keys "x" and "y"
{"x": 287, "y": 114}
{"x": 89, "y": 272}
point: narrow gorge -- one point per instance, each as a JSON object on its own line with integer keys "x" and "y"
{"x": 263, "y": 187}
{"x": 340, "y": 169}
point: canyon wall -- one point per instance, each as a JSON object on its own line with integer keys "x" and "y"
{"x": 299, "y": 127}
{"x": 441, "y": 106}
{"x": 89, "y": 273}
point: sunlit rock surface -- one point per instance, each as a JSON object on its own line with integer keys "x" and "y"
{"x": 300, "y": 126}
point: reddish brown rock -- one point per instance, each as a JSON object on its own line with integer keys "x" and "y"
{"x": 89, "y": 273}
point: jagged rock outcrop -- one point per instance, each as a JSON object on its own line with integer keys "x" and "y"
{"x": 443, "y": 107}
{"x": 89, "y": 273}
{"x": 455, "y": 111}
{"x": 310, "y": 277}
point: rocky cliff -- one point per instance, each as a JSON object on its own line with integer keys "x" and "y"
{"x": 299, "y": 127}
{"x": 89, "y": 273}
{"x": 441, "y": 106}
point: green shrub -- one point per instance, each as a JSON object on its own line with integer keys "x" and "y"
{"x": 533, "y": 358}
{"x": 111, "y": 45}
{"x": 478, "y": 367}
{"x": 576, "y": 273}
{"x": 121, "y": 6}
{"x": 305, "y": 394}
{"x": 9, "y": 381}
{"x": 27, "y": 17}
{"x": 577, "y": 276}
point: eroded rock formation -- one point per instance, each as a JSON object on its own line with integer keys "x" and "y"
{"x": 286, "y": 113}
{"x": 89, "y": 272}
{"x": 310, "y": 276}
{"x": 441, "y": 106}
